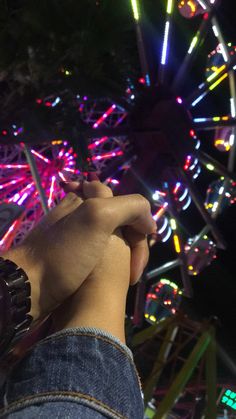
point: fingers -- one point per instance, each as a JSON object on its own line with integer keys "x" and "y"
{"x": 96, "y": 189}
{"x": 92, "y": 189}
{"x": 67, "y": 205}
{"x": 73, "y": 186}
{"x": 128, "y": 210}
{"x": 139, "y": 253}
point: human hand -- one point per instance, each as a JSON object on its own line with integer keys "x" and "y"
{"x": 100, "y": 301}
{"x": 61, "y": 252}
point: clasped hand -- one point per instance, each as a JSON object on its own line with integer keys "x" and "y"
{"x": 67, "y": 245}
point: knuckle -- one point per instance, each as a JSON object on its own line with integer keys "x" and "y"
{"x": 93, "y": 210}
{"x": 143, "y": 201}
{"x": 71, "y": 199}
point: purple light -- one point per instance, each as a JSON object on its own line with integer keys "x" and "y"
{"x": 179, "y": 100}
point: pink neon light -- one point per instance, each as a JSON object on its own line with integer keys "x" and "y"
{"x": 114, "y": 181}
{"x": 40, "y": 156}
{"x": 62, "y": 176}
{"x": 107, "y": 155}
{"x": 19, "y": 195}
{"x": 8, "y": 232}
{"x": 12, "y": 182}
{"x": 176, "y": 188}
{"x": 97, "y": 143}
{"x": 160, "y": 212}
{"x": 60, "y": 154}
{"x": 51, "y": 191}
{"x": 67, "y": 169}
{"x": 104, "y": 116}
{"x": 187, "y": 162}
{"x": 14, "y": 166}
{"x": 179, "y": 100}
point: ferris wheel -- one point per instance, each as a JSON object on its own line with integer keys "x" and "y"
{"x": 163, "y": 138}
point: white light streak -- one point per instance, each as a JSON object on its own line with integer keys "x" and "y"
{"x": 165, "y": 43}
{"x": 194, "y": 103}
{"x": 193, "y": 44}
{"x": 231, "y": 140}
{"x": 232, "y": 107}
{"x": 223, "y": 52}
{"x": 163, "y": 227}
{"x": 187, "y": 204}
{"x": 167, "y": 236}
{"x": 184, "y": 195}
{"x": 202, "y": 4}
{"x": 215, "y": 31}
{"x": 200, "y": 120}
{"x": 215, "y": 206}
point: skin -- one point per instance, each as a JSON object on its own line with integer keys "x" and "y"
{"x": 100, "y": 302}
{"x": 80, "y": 240}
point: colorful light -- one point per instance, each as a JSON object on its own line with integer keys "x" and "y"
{"x": 228, "y": 398}
{"x": 193, "y": 44}
{"x": 135, "y": 8}
{"x": 104, "y": 116}
{"x": 162, "y": 300}
{"x": 199, "y": 98}
{"x": 200, "y": 255}
{"x": 165, "y": 43}
{"x": 161, "y": 211}
{"x": 210, "y": 167}
{"x": 217, "y": 82}
{"x": 169, "y": 8}
{"x": 52, "y": 186}
{"x": 177, "y": 243}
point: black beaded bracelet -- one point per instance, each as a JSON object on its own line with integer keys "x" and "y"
{"x": 15, "y": 304}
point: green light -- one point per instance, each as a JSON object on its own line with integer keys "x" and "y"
{"x": 135, "y": 9}
{"x": 210, "y": 166}
{"x": 193, "y": 44}
{"x": 229, "y": 398}
{"x": 173, "y": 224}
{"x": 169, "y": 7}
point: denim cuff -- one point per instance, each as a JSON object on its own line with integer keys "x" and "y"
{"x": 95, "y": 332}
{"x": 87, "y": 366}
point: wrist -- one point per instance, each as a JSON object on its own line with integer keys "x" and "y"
{"x": 19, "y": 256}
{"x": 103, "y": 310}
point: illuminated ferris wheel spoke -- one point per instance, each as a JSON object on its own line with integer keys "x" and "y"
{"x": 222, "y": 44}
{"x": 166, "y": 267}
{"x": 20, "y": 196}
{"x": 217, "y": 206}
{"x": 166, "y": 40}
{"x": 40, "y": 156}
{"x": 201, "y": 123}
{"x": 214, "y": 166}
{"x": 140, "y": 42}
{"x": 11, "y": 184}
{"x": 36, "y": 177}
{"x": 226, "y": 57}
{"x": 201, "y": 208}
{"x": 196, "y": 41}
{"x": 206, "y": 87}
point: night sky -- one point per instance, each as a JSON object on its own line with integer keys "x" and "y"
{"x": 215, "y": 288}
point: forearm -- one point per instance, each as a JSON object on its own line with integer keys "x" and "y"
{"x": 102, "y": 308}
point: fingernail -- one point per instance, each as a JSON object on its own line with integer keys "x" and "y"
{"x": 92, "y": 176}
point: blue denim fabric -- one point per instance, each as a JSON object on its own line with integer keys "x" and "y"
{"x": 77, "y": 373}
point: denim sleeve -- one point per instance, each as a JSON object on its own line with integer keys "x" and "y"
{"x": 76, "y": 373}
